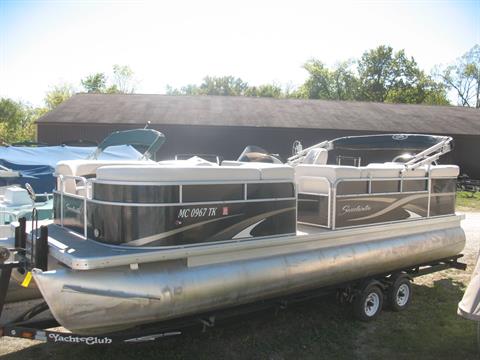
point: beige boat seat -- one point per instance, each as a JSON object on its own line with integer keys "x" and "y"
{"x": 165, "y": 173}
{"x": 316, "y": 156}
{"x": 193, "y": 161}
{"x": 444, "y": 171}
{"x": 85, "y": 168}
{"x": 170, "y": 173}
{"x": 317, "y": 179}
{"x": 377, "y": 170}
{"x": 267, "y": 171}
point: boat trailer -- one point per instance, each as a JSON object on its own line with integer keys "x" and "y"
{"x": 33, "y": 253}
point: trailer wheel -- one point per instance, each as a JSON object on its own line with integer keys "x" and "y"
{"x": 400, "y": 294}
{"x": 368, "y": 304}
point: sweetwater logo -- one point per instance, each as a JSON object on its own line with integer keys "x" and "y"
{"x": 349, "y": 209}
{"x": 87, "y": 340}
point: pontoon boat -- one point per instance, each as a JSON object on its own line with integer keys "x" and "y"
{"x": 136, "y": 244}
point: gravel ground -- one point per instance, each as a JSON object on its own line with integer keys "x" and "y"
{"x": 11, "y": 348}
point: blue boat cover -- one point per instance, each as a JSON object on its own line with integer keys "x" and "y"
{"x": 36, "y": 165}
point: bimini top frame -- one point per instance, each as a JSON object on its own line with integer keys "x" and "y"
{"x": 427, "y": 148}
{"x": 148, "y": 139}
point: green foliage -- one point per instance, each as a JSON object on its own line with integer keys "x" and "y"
{"x": 58, "y": 94}
{"x": 380, "y": 75}
{"x": 123, "y": 82}
{"x": 224, "y": 85}
{"x": 95, "y": 83}
{"x": 381, "y": 71}
{"x": 227, "y": 86}
{"x": 339, "y": 83}
{"x": 463, "y": 77}
{"x": 17, "y": 121}
{"x": 266, "y": 90}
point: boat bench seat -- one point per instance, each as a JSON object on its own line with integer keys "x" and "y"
{"x": 174, "y": 173}
{"x": 444, "y": 171}
{"x": 84, "y": 168}
{"x": 388, "y": 170}
{"x": 311, "y": 178}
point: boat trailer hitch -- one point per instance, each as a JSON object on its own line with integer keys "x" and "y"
{"x": 23, "y": 257}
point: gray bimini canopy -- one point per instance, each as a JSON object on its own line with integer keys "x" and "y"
{"x": 148, "y": 140}
{"x": 427, "y": 148}
{"x": 405, "y": 142}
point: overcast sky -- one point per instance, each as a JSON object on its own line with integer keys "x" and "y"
{"x": 43, "y": 43}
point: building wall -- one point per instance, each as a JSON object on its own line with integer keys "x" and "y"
{"x": 229, "y": 141}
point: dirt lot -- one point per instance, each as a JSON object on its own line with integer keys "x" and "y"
{"x": 316, "y": 329}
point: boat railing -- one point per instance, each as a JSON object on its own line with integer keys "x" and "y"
{"x": 87, "y": 195}
{"x": 86, "y": 185}
{"x": 328, "y": 195}
{"x": 433, "y": 153}
{"x": 369, "y": 191}
{"x": 333, "y": 193}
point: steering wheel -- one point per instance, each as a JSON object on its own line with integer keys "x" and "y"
{"x": 30, "y": 191}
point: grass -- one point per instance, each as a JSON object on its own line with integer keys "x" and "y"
{"x": 468, "y": 201}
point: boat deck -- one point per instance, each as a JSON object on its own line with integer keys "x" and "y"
{"x": 77, "y": 253}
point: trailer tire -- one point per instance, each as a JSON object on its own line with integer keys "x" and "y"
{"x": 400, "y": 294}
{"x": 368, "y": 304}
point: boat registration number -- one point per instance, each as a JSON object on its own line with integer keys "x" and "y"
{"x": 197, "y": 212}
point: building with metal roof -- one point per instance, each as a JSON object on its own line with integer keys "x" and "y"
{"x": 226, "y": 124}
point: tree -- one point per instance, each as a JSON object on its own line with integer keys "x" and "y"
{"x": 266, "y": 90}
{"x": 17, "y": 121}
{"x": 382, "y": 71}
{"x": 227, "y": 86}
{"x": 95, "y": 83}
{"x": 463, "y": 77}
{"x": 423, "y": 91}
{"x": 223, "y": 85}
{"x": 123, "y": 80}
{"x": 340, "y": 83}
{"x": 319, "y": 82}
{"x": 58, "y": 94}
{"x": 212, "y": 85}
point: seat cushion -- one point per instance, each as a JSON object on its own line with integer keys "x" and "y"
{"x": 317, "y": 156}
{"x": 193, "y": 161}
{"x": 446, "y": 171}
{"x": 381, "y": 171}
{"x": 88, "y": 167}
{"x": 166, "y": 173}
{"x": 390, "y": 169}
{"x": 310, "y": 177}
{"x": 272, "y": 171}
{"x": 331, "y": 172}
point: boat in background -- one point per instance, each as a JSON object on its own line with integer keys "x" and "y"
{"x": 35, "y": 165}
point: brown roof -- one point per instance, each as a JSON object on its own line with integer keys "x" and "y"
{"x": 264, "y": 112}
